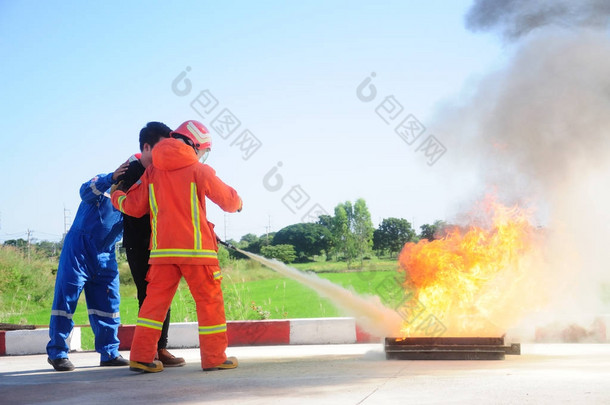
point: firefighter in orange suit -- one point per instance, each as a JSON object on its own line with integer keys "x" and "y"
{"x": 183, "y": 243}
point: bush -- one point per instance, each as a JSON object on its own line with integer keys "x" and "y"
{"x": 224, "y": 257}
{"x": 283, "y": 253}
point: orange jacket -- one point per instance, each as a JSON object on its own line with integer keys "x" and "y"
{"x": 173, "y": 189}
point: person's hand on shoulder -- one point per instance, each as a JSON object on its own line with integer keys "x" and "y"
{"x": 120, "y": 171}
{"x": 116, "y": 177}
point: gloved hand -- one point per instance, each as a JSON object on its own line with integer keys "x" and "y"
{"x": 116, "y": 186}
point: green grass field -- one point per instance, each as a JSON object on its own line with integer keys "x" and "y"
{"x": 251, "y": 291}
{"x": 274, "y": 297}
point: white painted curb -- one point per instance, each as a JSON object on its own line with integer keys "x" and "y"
{"x": 315, "y": 331}
{"x": 183, "y": 335}
{"x": 20, "y": 342}
{"x": 303, "y": 331}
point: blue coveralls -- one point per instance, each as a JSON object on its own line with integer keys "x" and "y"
{"x": 88, "y": 261}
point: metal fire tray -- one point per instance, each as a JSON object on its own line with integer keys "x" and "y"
{"x": 449, "y": 348}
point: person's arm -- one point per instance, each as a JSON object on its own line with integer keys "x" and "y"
{"x": 95, "y": 188}
{"x": 135, "y": 202}
{"x": 220, "y": 193}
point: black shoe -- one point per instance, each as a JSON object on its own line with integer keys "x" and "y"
{"x": 118, "y": 361}
{"x": 62, "y": 364}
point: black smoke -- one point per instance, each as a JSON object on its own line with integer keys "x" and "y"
{"x": 513, "y": 19}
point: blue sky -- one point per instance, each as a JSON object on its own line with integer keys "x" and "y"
{"x": 79, "y": 80}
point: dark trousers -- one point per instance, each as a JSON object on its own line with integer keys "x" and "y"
{"x": 138, "y": 264}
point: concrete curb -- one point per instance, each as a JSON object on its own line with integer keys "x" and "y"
{"x": 304, "y": 331}
{"x": 270, "y": 332}
{"x": 22, "y": 342}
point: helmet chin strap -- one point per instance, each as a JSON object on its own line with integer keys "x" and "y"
{"x": 187, "y": 141}
{"x": 204, "y": 157}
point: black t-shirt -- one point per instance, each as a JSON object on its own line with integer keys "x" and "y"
{"x": 136, "y": 231}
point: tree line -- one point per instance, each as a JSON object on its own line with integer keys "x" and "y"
{"x": 34, "y": 248}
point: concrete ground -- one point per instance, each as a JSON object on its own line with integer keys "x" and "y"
{"x": 321, "y": 374}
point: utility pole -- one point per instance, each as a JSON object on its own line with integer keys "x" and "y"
{"x": 268, "y": 229}
{"x": 66, "y": 221}
{"x": 28, "y": 247}
{"x": 225, "y": 223}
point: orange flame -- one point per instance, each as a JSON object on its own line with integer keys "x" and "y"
{"x": 466, "y": 283}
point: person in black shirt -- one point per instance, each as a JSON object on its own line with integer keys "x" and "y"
{"x": 136, "y": 232}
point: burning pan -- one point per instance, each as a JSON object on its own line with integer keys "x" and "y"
{"x": 448, "y": 348}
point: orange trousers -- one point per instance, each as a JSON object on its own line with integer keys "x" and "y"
{"x": 204, "y": 284}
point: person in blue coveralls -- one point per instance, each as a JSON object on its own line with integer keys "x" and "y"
{"x": 88, "y": 262}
